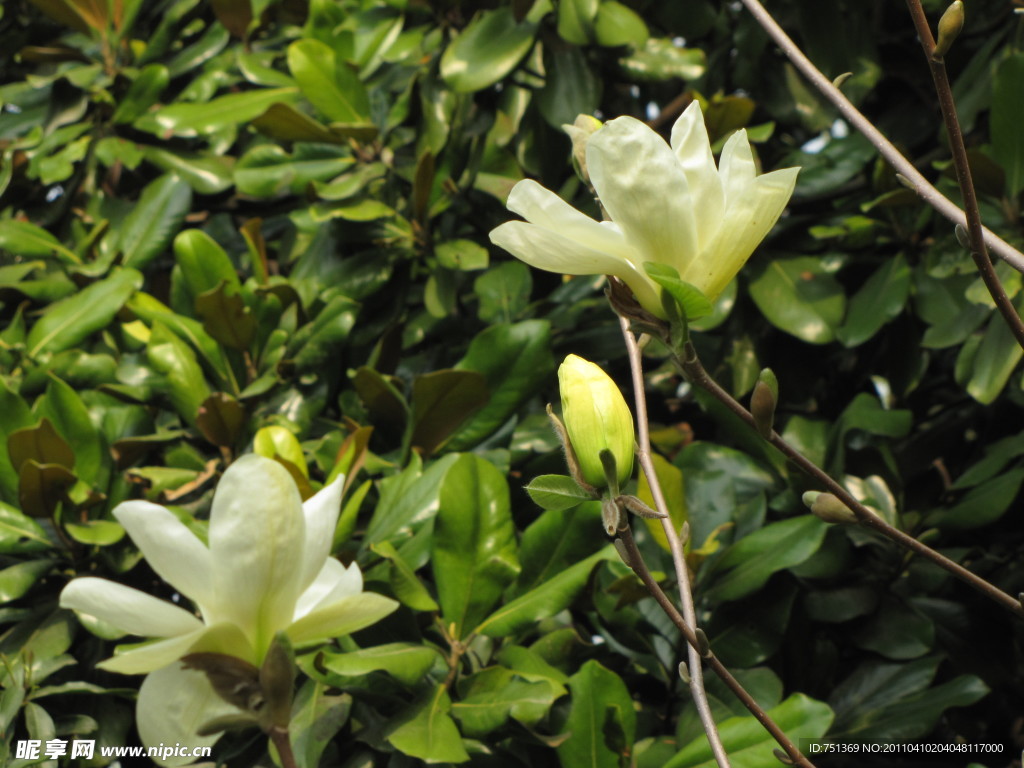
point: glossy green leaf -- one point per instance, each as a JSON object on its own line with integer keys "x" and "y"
{"x": 286, "y": 123}
{"x": 576, "y": 20}
{"x": 225, "y": 316}
{"x": 983, "y": 504}
{"x": 19, "y": 533}
{"x": 221, "y": 420}
{"x": 474, "y": 552}
{"x": 487, "y": 50}
{"x": 516, "y": 361}
{"x": 441, "y": 402}
{"x": 570, "y": 88}
{"x": 691, "y": 301}
{"x": 1005, "y": 120}
{"x": 328, "y": 82}
{"x": 190, "y": 120}
{"x": 70, "y": 321}
{"x": 749, "y": 745}
{"x": 43, "y": 487}
{"x": 879, "y": 300}
{"x": 22, "y": 238}
{"x": 749, "y": 563}
{"x": 185, "y": 384}
{"x": 204, "y": 173}
{"x": 556, "y": 540}
{"x": 99, "y": 533}
{"x": 406, "y": 662}
{"x": 547, "y": 599}
{"x": 143, "y": 93}
{"x": 16, "y": 416}
{"x": 317, "y": 717}
{"x": 602, "y": 720}
{"x": 503, "y": 291}
{"x": 150, "y": 226}
{"x": 461, "y": 254}
{"x": 64, "y": 407}
{"x": 556, "y": 492}
{"x": 268, "y": 170}
{"x": 662, "y": 59}
{"x": 798, "y": 296}
{"x": 203, "y": 264}
{"x": 897, "y": 631}
{"x": 405, "y": 584}
{"x": 673, "y": 488}
{"x": 618, "y": 24}
{"x": 993, "y": 362}
{"x": 428, "y": 732}
{"x": 18, "y": 579}
{"x": 408, "y": 499}
{"x": 493, "y": 695}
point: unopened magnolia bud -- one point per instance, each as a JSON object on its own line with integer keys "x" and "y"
{"x": 596, "y": 418}
{"x": 950, "y": 24}
{"x": 580, "y": 132}
{"x": 828, "y": 508}
{"x": 763, "y": 401}
{"x": 962, "y": 236}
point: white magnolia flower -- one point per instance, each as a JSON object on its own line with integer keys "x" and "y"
{"x": 267, "y": 569}
{"x": 669, "y": 205}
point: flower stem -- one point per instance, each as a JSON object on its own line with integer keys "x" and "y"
{"x": 925, "y": 190}
{"x": 963, "y": 174}
{"x": 643, "y": 453}
{"x": 694, "y": 371}
{"x": 283, "y": 744}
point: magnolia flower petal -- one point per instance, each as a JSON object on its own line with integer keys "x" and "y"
{"x": 693, "y": 150}
{"x": 145, "y": 658}
{"x": 747, "y": 222}
{"x": 321, "y": 513}
{"x": 170, "y": 548}
{"x": 736, "y": 167}
{"x": 544, "y": 208}
{"x": 334, "y": 582}
{"x": 173, "y": 704}
{"x": 644, "y": 190}
{"x": 127, "y": 609}
{"x": 554, "y": 252}
{"x": 257, "y": 535}
{"x": 350, "y": 614}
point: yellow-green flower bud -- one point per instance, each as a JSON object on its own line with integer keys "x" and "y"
{"x": 580, "y": 132}
{"x": 950, "y": 24}
{"x": 596, "y": 418}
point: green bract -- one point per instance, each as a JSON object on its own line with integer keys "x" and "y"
{"x": 668, "y": 205}
{"x": 596, "y": 417}
{"x": 267, "y": 569}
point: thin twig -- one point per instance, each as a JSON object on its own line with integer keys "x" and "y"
{"x": 695, "y": 372}
{"x": 963, "y": 174}
{"x": 643, "y": 452}
{"x": 904, "y": 167}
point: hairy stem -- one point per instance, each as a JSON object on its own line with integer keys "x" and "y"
{"x": 643, "y": 452}
{"x": 925, "y": 190}
{"x": 963, "y": 175}
{"x": 694, "y": 371}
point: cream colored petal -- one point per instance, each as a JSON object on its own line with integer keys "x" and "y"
{"x": 736, "y": 166}
{"x": 644, "y": 190}
{"x": 173, "y": 704}
{"x": 747, "y": 222}
{"x": 170, "y": 548}
{"x": 145, "y": 658}
{"x": 350, "y": 614}
{"x": 544, "y": 208}
{"x": 693, "y": 150}
{"x": 334, "y": 582}
{"x": 257, "y": 537}
{"x": 321, "y": 514}
{"x": 127, "y": 609}
{"x": 552, "y": 251}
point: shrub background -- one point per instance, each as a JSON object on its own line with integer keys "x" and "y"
{"x": 222, "y": 217}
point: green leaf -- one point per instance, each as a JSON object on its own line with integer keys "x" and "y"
{"x": 556, "y": 540}
{"x": 441, "y": 402}
{"x": 670, "y": 478}
{"x": 576, "y": 20}
{"x": 474, "y": 546}
{"x": 602, "y": 720}
{"x": 995, "y": 359}
{"x": 18, "y": 579}
{"x": 407, "y": 500}
{"x": 185, "y": 385}
{"x": 62, "y": 405}
{"x": 99, "y": 533}
{"x": 207, "y": 174}
{"x": 618, "y": 24}
{"x": 200, "y": 119}
{"x": 22, "y": 238}
{"x": 328, "y": 82}
{"x": 1005, "y": 119}
{"x": 749, "y": 745}
{"x": 570, "y": 87}
{"x": 315, "y": 342}
{"x": 503, "y": 291}
{"x": 546, "y": 600}
{"x": 749, "y": 563}
{"x": 70, "y": 321}
{"x": 285, "y": 123}
{"x": 983, "y": 504}
{"x": 404, "y": 582}
{"x": 465, "y": 255}
{"x": 692, "y": 302}
{"x": 406, "y": 662}
{"x": 149, "y": 228}
{"x": 897, "y": 631}
{"x": 487, "y": 50}
{"x": 879, "y": 300}
{"x": 143, "y": 93}
{"x": 20, "y": 534}
{"x": 225, "y": 316}
{"x": 428, "y": 732}
{"x": 316, "y": 720}
{"x": 661, "y": 59}
{"x": 493, "y": 695}
{"x": 202, "y": 264}
{"x": 516, "y": 361}
{"x": 556, "y": 492}
{"x": 16, "y": 416}
{"x": 267, "y": 170}
{"x": 798, "y": 296}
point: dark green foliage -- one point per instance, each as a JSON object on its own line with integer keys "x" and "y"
{"x": 218, "y": 218}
